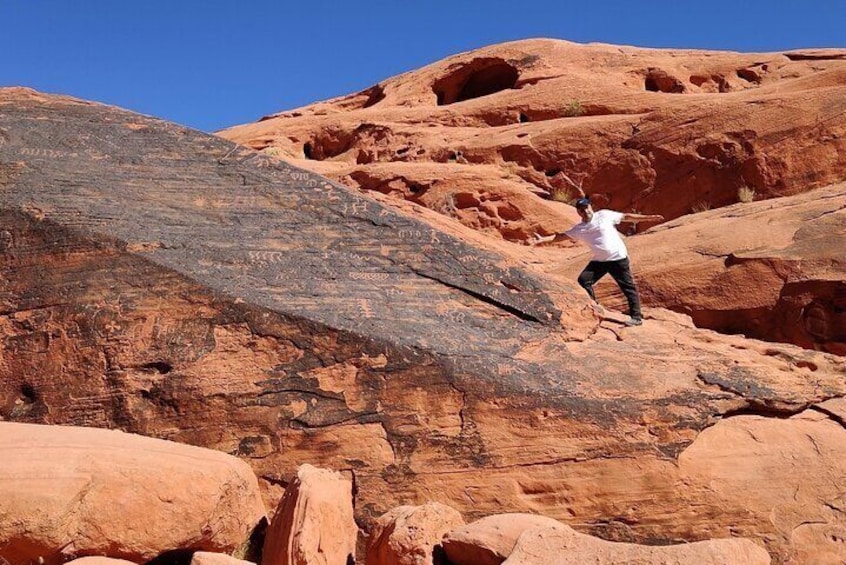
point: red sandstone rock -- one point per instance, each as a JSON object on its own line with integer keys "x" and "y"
{"x": 489, "y": 541}
{"x": 657, "y": 130}
{"x": 208, "y": 558}
{"x": 561, "y": 545}
{"x": 73, "y": 491}
{"x": 314, "y": 523}
{"x": 166, "y": 282}
{"x": 411, "y": 535}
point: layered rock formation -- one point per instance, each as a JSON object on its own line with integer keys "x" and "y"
{"x": 477, "y": 136}
{"x": 658, "y": 131}
{"x": 173, "y": 284}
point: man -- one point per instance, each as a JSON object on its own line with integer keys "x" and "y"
{"x": 597, "y": 230}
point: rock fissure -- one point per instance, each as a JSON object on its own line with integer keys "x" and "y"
{"x": 831, "y": 415}
{"x": 514, "y": 311}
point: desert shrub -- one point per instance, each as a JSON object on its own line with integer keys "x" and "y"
{"x": 563, "y": 195}
{"x": 745, "y": 194}
{"x": 574, "y": 109}
{"x": 700, "y": 206}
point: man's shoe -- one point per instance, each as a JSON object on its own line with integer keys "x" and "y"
{"x": 634, "y": 322}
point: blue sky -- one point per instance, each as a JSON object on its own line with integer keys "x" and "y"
{"x": 211, "y": 64}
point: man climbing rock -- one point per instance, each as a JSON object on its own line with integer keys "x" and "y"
{"x": 597, "y": 230}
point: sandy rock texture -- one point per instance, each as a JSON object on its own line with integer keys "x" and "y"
{"x": 314, "y": 523}
{"x": 411, "y": 535}
{"x": 67, "y": 491}
{"x": 562, "y": 545}
{"x": 174, "y": 284}
{"x": 475, "y": 135}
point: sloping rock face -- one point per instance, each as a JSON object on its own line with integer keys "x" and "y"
{"x": 657, "y": 131}
{"x": 773, "y": 270}
{"x": 67, "y": 491}
{"x": 173, "y": 284}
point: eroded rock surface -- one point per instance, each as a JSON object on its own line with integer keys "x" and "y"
{"x": 174, "y": 284}
{"x": 654, "y": 130}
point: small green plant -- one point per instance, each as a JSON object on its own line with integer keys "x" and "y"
{"x": 700, "y": 206}
{"x": 745, "y": 194}
{"x": 574, "y": 109}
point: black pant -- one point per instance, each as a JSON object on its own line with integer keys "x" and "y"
{"x": 622, "y": 273}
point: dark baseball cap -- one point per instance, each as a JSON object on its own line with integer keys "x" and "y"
{"x": 582, "y": 202}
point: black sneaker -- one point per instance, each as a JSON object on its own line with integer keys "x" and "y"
{"x": 634, "y": 322}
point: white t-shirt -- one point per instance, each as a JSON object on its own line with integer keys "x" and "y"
{"x": 601, "y": 236}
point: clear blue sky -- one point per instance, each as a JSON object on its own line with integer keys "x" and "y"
{"x": 210, "y": 64}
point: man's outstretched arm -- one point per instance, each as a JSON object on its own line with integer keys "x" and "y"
{"x": 642, "y": 218}
{"x": 539, "y": 239}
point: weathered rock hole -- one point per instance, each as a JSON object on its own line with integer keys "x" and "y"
{"x": 160, "y": 367}
{"x": 524, "y": 118}
{"x": 698, "y": 80}
{"x": 480, "y": 77}
{"x": 510, "y": 213}
{"x": 374, "y": 96}
{"x": 659, "y": 81}
{"x": 749, "y": 75}
{"x": 28, "y": 394}
{"x": 807, "y": 365}
{"x": 307, "y": 150}
{"x": 465, "y": 200}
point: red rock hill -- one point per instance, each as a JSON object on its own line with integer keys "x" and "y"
{"x": 476, "y": 135}
{"x": 177, "y": 285}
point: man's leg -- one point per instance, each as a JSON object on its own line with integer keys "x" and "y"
{"x": 594, "y": 271}
{"x": 622, "y": 272}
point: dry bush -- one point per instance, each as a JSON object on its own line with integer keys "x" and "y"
{"x": 564, "y": 195}
{"x": 745, "y": 194}
{"x": 700, "y": 206}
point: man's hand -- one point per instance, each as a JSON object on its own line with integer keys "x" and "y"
{"x": 538, "y": 239}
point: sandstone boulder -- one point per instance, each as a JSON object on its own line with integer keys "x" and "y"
{"x": 561, "y": 545}
{"x": 74, "y": 491}
{"x": 411, "y": 535}
{"x": 489, "y": 541}
{"x": 314, "y": 523}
